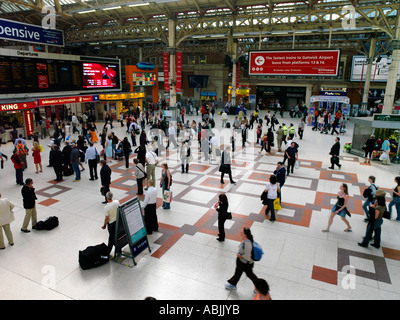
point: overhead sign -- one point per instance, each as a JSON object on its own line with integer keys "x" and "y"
{"x": 17, "y": 106}
{"x": 23, "y": 32}
{"x": 339, "y": 99}
{"x": 379, "y": 71}
{"x": 64, "y": 100}
{"x": 294, "y": 63}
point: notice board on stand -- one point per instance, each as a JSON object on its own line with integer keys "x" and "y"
{"x": 130, "y": 229}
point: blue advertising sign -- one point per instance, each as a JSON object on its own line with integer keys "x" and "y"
{"x": 19, "y": 31}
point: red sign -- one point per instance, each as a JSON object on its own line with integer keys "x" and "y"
{"x": 64, "y": 100}
{"x": 166, "y": 71}
{"x": 237, "y": 75}
{"x": 179, "y": 72}
{"x": 294, "y": 63}
{"x": 28, "y": 122}
{"x": 17, "y": 106}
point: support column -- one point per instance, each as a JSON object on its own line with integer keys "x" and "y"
{"x": 390, "y": 90}
{"x": 141, "y": 89}
{"x": 370, "y": 59}
{"x": 234, "y": 72}
{"x": 172, "y": 61}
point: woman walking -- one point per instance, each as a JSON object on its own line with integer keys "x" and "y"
{"x": 165, "y": 183}
{"x": 108, "y": 149}
{"x": 244, "y": 261}
{"x": 272, "y": 188}
{"x": 340, "y": 208}
{"x": 395, "y": 200}
{"x": 37, "y": 159}
{"x": 222, "y": 208}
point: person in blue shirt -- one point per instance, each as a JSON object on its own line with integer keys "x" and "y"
{"x": 386, "y": 149}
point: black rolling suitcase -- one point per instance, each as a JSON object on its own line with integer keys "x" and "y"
{"x": 93, "y": 256}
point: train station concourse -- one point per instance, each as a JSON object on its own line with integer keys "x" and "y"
{"x": 199, "y": 150}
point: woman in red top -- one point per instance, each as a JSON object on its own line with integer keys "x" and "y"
{"x": 37, "y": 159}
{"x": 262, "y": 289}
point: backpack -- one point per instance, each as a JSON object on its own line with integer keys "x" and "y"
{"x": 257, "y": 252}
{"x": 369, "y": 193}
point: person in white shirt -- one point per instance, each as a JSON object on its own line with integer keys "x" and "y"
{"x": 172, "y": 136}
{"x": 224, "y": 118}
{"x": 151, "y": 161}
{"x": 75, "y": 123}
{"x": 6, "y": 217}
{"x": 150, "y": 208}
{"x": 273, "y": 190}
{"x": 214, "y": 146}
{"x": 110, "y": 211}
{"x": 67, "y": 131}
{"x": 91, "y": 157}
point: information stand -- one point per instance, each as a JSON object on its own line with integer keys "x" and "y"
{"x": 130, "y": 230}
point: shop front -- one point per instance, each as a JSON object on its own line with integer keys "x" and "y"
{"x": 19, "y": 116}
{"x": 381, "y": 126}
{"x": 57, "y": 107}
{"x": 242, "y": 94}
{"x": 269, "y": 96}
{"x": 121, "y": 103}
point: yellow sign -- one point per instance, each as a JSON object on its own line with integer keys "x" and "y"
{"x": 122, "y": 96}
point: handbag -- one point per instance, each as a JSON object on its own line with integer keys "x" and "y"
{"x": 103, "y": 191}
{"x": 145, "y": 174}
{"x": 277, "y": 204}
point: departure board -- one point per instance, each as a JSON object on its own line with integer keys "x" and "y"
{"x": 27, "y": 74}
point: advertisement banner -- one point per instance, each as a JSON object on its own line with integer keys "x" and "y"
{"x": 23, "y": 32}
{"x": 28, "y": 122}
{"x": 166, "y": 71}
{"x": 179, "y": 72}
{"x": 294, "y": 63}
{"x": 379, "y": 71}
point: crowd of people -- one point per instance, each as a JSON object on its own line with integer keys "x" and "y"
{"x": 75, "y": 143}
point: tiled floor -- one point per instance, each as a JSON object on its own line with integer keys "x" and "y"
{"x": 186, "y": 262}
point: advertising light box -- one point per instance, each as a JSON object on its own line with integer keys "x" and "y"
{"x": 379, "y": 71}
{"x": 323, "y": 63}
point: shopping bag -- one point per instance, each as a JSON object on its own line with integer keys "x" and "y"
{"x": 277, "y": 204}
{"x": 167, "y": 197}
{"x": 297, "y": 165}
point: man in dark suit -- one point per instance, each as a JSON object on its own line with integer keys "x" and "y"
{"x": 335, "y": 150}
{"x": 280, "y": 174}
{"x": 105, "y": 177}
{"x": 56, "y": 161}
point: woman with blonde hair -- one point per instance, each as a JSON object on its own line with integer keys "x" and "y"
{"x": 37, "y": 159}
{"x": 340, "y": 208}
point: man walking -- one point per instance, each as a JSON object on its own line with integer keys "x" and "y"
{"x": 74, "y": 159}
{"x": 335, "y": 150}
{"x": 105, "y": 177}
